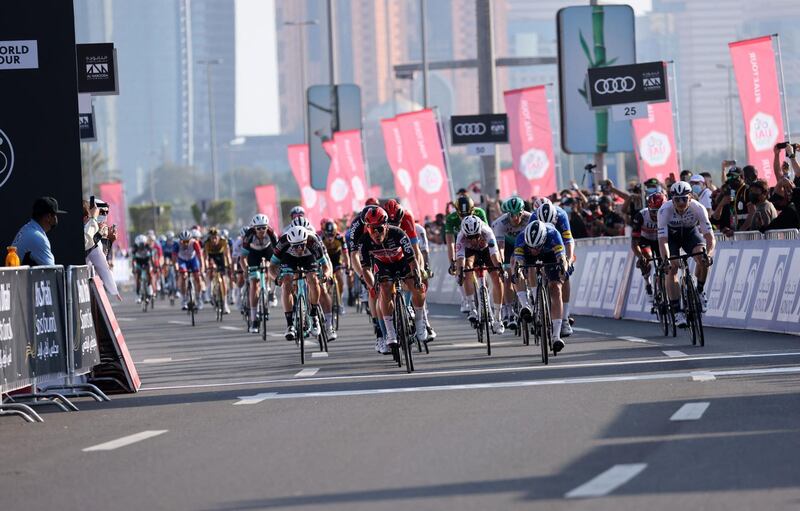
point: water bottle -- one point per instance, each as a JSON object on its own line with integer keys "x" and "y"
{"x": 12, "y": 259}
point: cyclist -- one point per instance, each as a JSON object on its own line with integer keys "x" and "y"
{"x": 476, "y": 245}
{"x": 541, "y": 241}
{"x": 296, "y": 212}
{"x": 258, "y": 243}
{"x": 190, "y": 260}
{"x": 386, "y": 251}
{"x": 144, "y": 257}
{"x": 297, "y": 249}
{"x": 238, "y": 272}
{"x": 558, "y": 218}
{"x": 169, "y": 246}
{"x": 644, "y": 237}
{"x": 506, "y": 229}
{"x": 464, "y": 206}
{"x": 336, "y": 246}
{"x": 216, "y": 250}
{"x": 325, "y": 299}
{"x": 681, "y": 221}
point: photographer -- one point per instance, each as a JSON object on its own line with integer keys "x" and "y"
{"x": 95, "y": 231}
{"x": 730, "y": 211}
{"x": 784, "y": 173}
{"x": 633, "y": 202}
{"x": 760, "y": 211}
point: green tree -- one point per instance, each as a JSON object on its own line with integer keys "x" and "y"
{"x": 218, "y": 213}
{"x": 151, "y": 216}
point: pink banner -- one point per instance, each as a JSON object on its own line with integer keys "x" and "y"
{"x": 375, "y": 191}
{"x": 531, "y": 140}
{"x": 340, "y": 197}
{"x": 311, "y": 200}
{"x": 423, "y": 146}
{"x": 113, "y": 194}
{"x": 654, "y": 142}
{"x": 508, "y": 183}
{"x": 395, "y": 155}
{"x": 351, "y": 161}
{"x": 268, "y": 204}
{"x": 759, "y": 94}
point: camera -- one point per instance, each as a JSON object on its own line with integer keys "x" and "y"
{"x": 782, "y": 145}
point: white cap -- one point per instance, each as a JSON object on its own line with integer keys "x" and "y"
{"x": 697, "y": 178}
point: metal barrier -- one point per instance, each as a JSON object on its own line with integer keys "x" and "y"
{"x": 747, "y": 235}
{"x": 782, "y": 234}
{"x": 602, "y": 240}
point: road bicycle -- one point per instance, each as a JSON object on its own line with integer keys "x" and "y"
{"x": 146, "y": 288}
{"x": 542, "y": 326}
{"x": 664, "y": 313}
{"x": 482, "y": 305}
{"x": 301, "y": 314}
{"x": 403, "y": 323}
{"x": 216, "y": 293}
{"x": 169, "y": 287}
{"x": 262, "y": 301}
{"x": 191, "y": 304}
{"x": 690, "y": 298}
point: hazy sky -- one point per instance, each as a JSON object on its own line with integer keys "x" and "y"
{"x": 639, "y": 6}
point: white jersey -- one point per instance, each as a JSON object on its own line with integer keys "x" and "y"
{"x": 422, "y": 238}
{"x": 485, "y": 240}
{"x": 695, "y": 215}
{"x": 705, "y": 198}
{"x": 236, "y": 250}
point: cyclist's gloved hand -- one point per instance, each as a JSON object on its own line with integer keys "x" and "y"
{"x": 460, "y": 278}
{"x": 452, "y": 269}
{"x": 709, "y": 260}
{"x": 503, "y": 274}
{"x": 417, "y": 281}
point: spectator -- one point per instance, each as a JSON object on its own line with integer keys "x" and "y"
{"x": 730, "y": 211}
{"x": 669, "y": 181}
{"x": 784, "y": 173}
{"x": 788, "y": 216}
{"x": 94, "y": 233}
{"x": 701, "y": 192}
{"x": 612, "y": 223}
{"x": 576, "y": 223}
{"x": 435, "y": 229}
{"x": 686, "y": 175}
{"x": 31, "y": 241}
{"x": 709, "y": 181}
{"x": 633, "y": 202}
{"x": 750, "y": 174}
{"x": 760, "y": 211}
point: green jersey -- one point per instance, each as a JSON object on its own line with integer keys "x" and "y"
{"x": 452, "y": 222}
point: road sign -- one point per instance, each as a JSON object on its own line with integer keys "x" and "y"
{"x": 480, "y": 149}
{"x": 634, "y": 83}
{"x": 629, "y": 111}
{"x": 479, "y": 129}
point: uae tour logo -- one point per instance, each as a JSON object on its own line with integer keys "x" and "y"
{"x": 6, "y": 158}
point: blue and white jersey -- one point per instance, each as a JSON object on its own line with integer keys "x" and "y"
{"x": 553, "y": 244}
{"x": 562, "y": 223}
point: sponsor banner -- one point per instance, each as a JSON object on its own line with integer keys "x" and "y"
{"x": 19, "y": 55}
{"x": 85, "y": 352}
{"x": 398, "y": 162}
{"x": 531, "y": 141}
{"x": 443, "y": 288}
{"x": 113, "y": 194}
{"x": 340, "y": 196}
{"x": 351, "y": 162}
{"x": 96, "y": 68}
{"x": 633, "y": 83}
{"x": 479, "y": 129}
{"x": 757, "y": 78}
{"x": 15, "y": 329}
{"x": 86, "y": 126}
{"x": 508, "y": 183}
{"x": 599, "y": 278}
{"x": 654, "y": 142}
{"x": 423, "y": 145}
{"x": 268, "y": 204}
{"x": 46, "y": 350}
{"x": 311, "y": 200}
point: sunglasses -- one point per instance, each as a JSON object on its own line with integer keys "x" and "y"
{"x": 378, "y": 227}
{"x": 473, "y": 236}
{"x": 680, "y": 200}
{"x": 261, "y": 228}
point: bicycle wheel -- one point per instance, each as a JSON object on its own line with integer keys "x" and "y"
{"x": 544, "y": 327}
{"x": 322, "y": 338}
{"x": 698, "y": 307}
{"x": 263, "y": 316}
{"x": 299, "y": 319}
{"x": 486, "y": 318}
{"x": 337, "y": 302}
{"x": 401, "y": 325}
{"x": 190, "y": 291}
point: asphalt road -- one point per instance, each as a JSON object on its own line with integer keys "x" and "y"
{"x": 622, "y": 419}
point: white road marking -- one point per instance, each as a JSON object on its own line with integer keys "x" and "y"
{"x": 319, "y": 354}
{"x": 305, "y": 373}
{"x": 476, "y": 344}
{"x": 273, "y": 334}
{"x": 254, "y": 400}
{"x": 125, "y": 319}
{"x": 690, "y": 411}
{"x": 156, "y": 360}
{"x": 674, "y": 353}
{"x": 654, "y": 361}
{"x": 126, "y": 440}
{"x": 178, "y": 322}
{"x": 589, "y": 331}
{"x": 231, "y": 328}
{"x": 633, "y": 339}
{"x": 608, "y": 481}
{"x": 444, "y": 316}
{"x": 703, "y": 376}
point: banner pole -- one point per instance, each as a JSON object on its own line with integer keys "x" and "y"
{"x": 365, "y": 160}
{"x": 445, "y": 152}
{"x": 787, "y": 130}
{"x": 676, "y": 113}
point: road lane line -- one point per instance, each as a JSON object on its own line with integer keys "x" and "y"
{"x": 254, "y": 400}
{"x": 608, "y": 481}
{"x": 444, "y": 316}
{"x": 674, "y": 353}
{"x": 633, "y": 339}
{"x": 126, "y": 440}
{"x": 703, "y": 376}
{"x": 231, "y": 328}
{"x": 654, "y": 361}
{"x": 319, "y": 354}
{"x": 125, "y": 319}
{"x": 156, "y": 360}
{"x": 178, "y": 322}
{"x": 305, "y": 373}
{"x": 690, "y": 411}
{"x": 589, "y": 331}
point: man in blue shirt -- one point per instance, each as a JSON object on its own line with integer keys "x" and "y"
{"x": 31, "y": 241}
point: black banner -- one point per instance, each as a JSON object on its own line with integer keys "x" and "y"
{"x": 14, "y": 329}
{"x": 46, "y": 350}
{"x": 633, "y": 83}
{"x": 479, "y": 129}
{"x": 39, "y": 140}
{"x": 96, "y": 68}
{"x": 84, "y": 351}
{"x": 86, "y": 124}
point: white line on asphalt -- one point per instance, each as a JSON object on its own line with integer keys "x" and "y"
{"x": 125, "y": 319}
{"x": 476, "y": 344}
{"x": 443, "y": 316}
{"x": 232, "y": 328}
{"x": 674, "y": 353}
{"x": 654, "y": 361}
{"x": 319, "y": 354}
{"x": 156, "y": 360}
{"x": 273, "y": 334}
{"x": 178, "y": 322}
{"x": 305, "y": 373}
{"x": 690, "y": 411}
{"x": 254, "y": 400}
{"x": 126, "y": 440}
{"x": 608, "y": 481}
{"x": 632, "y": 339}
{"x": 589, "y": 331}
{"x": 703, "y": 376}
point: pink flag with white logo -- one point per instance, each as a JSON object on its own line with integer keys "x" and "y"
{"x": 423, "y": 146}
{"x": 340, "y": 197}
{"x": 654, "y": 143}
{"x": 268, "y": 204}
{"x": 311, "y": 200}
{"x": 395, "y": 155}
{"x": 759, "y": 94}
{"x": 508, "y": 183}
{"x": 531, "y": 139}
{"x": 113, "y": 194}
{"x": 351, "y": 161}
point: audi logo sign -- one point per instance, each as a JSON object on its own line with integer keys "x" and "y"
{"x": 479, "y": 129}
{"x": 633, "y": 83}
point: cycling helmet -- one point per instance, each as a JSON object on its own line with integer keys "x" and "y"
{"x": 655, "y": 201}
{"x": 504, "y": 206}
{"x": 303, "y": 222}
{"x": 297, "y": 211}
{"x": 162, "y": 239}
{"x": 242, "y": 232}
{"x": 471, "y": 225}
{"x": 535, "y": 234}
{"x": 213, "y": 231}
{"x": 376, "y": 216}
{"x": 323, "y": 221}
{"x": 547, "y": 213}
{"x": 680, "y": 189}
{"x": 196, "y": 234}
{"x": 372, "y": 201}
{"x": 140, "y": 239}
{"x": 170, "y": 235}
{"x": 464, "y": 205}
{"x": 151, "y": 237}
{"x": 329, "y": 228}
{"x": 539, "y": 201}
{"x": 151, "y": 232}
{"x": 186, "y": 235}
{"x": 259, "y": 219}
{"x": 297, "y": 235}
{"x": 225, "y": 233}
{"x": 394, "y": 210}
{"x": 514, "y": 205}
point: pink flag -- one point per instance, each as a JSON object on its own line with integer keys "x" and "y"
{"x": 508, "y": 183}
{"x": 423, "y": 146}
{"x": 113, "y": 194}
{"x": 654, "y": 142}
{"x": 375, "y": 191}
{"x": 395, "y": 155}
{"x": 759, "y": 94}
{"x": 351, "y": 161}
{"x": 268, "y": 204}
{"x": 531, "y": 140}
{"x": 340, "y": 196}
{"x": 311, "y": 200}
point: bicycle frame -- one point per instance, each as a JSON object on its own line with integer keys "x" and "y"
{"x": 482, "y": 303}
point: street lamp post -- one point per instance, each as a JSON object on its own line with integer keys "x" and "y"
{"x": 302, "y": 57}
{"x": 692, "y": 87}
{"x": 212, "y": 123}
{"x": 729, "y": 69}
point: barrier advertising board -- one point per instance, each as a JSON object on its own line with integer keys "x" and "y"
{"x": 85, "y": 353}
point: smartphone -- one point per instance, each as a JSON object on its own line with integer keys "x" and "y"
{"x": 91, "y": 202}
{"x": 781, "y": 145}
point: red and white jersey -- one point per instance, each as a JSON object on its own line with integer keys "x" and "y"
{"x": 187, "y": 252}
